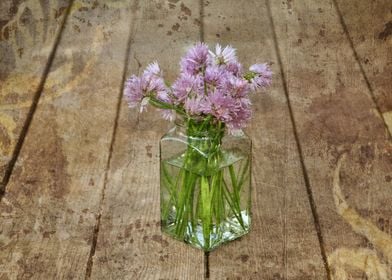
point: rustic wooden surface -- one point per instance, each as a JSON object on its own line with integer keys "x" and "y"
{"x": 283, "y": 243}
{"x": 334, "y": 113}
{"x": 29, "y": 34}
{"x": 79, "y": 171}
{"x": 130, "y": 243}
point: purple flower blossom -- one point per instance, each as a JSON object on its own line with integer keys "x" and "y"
{"x": 235, "y": 68}
{"x": 261, "y": 76}
{"x": 225, "y": 56}
{"x": 222, "y": 105}
{"x": 184, "y": 85}
{"x": 243, "y": 113}
{"x": 210, "y": 84}
{"x": 153, "y": 69}
{"x": 133, "y": 91}
{"x": 163, "y": 96}
{"x": 195, "y": 60}
{"x": 138, "y": 90}
{"x": 154, "y": 84}
{"x": 196, "y": 105}
{"x": 215, "y": 76}
{"x": 237, "y": 87}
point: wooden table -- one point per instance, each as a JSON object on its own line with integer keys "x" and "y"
{"x": 80, "y": 171}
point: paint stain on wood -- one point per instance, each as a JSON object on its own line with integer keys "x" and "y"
{"x": 47, "y": 234}
{"x": 333, "y": 126}
{"x": 197, "y": 22}
{"x": 366, "y": 260}
{"x": 159, "y": 239}
{"x": 138, "y": 224}
{"x": 244, "y": 258}
{"x": 366, "y": 154}
{"x": 128, "y": 230}
{"x": 388, "y": 120}
{"x": 47, "y": 162}
{"x": 386, "y": 32}
{"x": 289, "y": 4}
{"x": 185, "y": 10}
{"x": 60, "y": 12}
{"x": 176, "y": 26}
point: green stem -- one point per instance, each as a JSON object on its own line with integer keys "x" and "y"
{"x": 217, "y": 199}
{"x": 234, "y": 203}
{"x": 206, "y": 210}
{"x": 229, "y": 199}
{"x": 163, "y": 105}
{"x": 243, "y": 174}
{"x": 201, "y": 177}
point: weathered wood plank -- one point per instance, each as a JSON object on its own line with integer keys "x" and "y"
{"x": 28, "y": 33}
{"x": 130, "y": 243}
{"x": 283, "y": 242}
{"x": 48, "y": 213}
{"x": 334, "y": 113}
{"x": 369, "y": 26}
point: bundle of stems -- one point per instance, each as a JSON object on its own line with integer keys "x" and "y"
{"x": 200, "y": 193}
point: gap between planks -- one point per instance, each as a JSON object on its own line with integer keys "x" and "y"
{"x": 201, "y": 32}
{"x": 357, "y": 59}
{"x": 36, "y": 97}
{"x": 206, "y": 265}
{"x": 90, "y": 261}
{"x": 201, "y": 18}
{"x": 299, "y": 147}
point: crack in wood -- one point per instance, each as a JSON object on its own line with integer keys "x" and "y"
{"x": 365, "y": 77}
{"x": 15, "y": 154}
{"x": 298, "y": 144}
{"x": 201, "y": 20}
{"x": 206, "y": 265}
{"x": 90, "y": 261}
{"x": 201, "y": 32}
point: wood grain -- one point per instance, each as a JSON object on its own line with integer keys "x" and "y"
{"x": 283, "y": 242}
{"x": 28, "y": 34}
{"x": 369, "y": 26}
{"x": 130, "y": 243}
{"x": 48, "y": 213}
{"x": 335, "y": 114}
{"x": 83, "y": 198}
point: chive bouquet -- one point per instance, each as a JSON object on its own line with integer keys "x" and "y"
{"x": 205, "y": 159}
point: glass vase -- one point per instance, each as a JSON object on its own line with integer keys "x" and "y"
{"x": 205, "y": 183}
